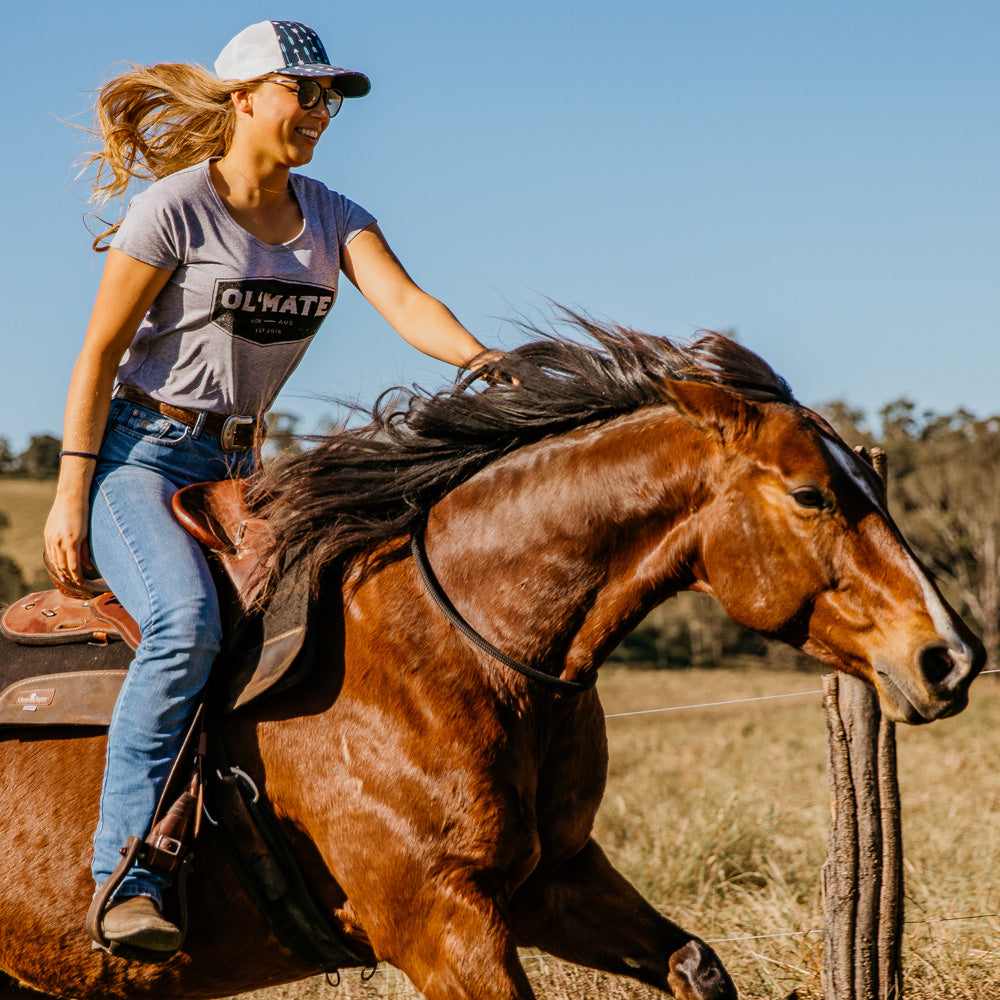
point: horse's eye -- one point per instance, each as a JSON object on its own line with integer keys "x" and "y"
{"x": 810, "y": 498}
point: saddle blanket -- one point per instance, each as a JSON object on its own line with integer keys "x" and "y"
{"x": 70, "y": 684}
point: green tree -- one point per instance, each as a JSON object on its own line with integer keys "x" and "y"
{"x": 282, "y": 434}
{"x": 8, "y": 460}
{"x": 41, "y": 458}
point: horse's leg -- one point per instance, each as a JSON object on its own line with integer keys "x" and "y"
{"x": 455, "y": 945}
{"x": 587, "y": 913}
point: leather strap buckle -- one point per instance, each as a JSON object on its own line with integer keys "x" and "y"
{"x": 169, "y": 845}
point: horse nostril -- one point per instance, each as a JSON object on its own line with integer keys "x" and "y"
{"x": 936, "y": 663}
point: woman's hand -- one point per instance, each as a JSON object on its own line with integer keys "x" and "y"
{"x": 67, "y": 555}
{"x": 489, "y": 367}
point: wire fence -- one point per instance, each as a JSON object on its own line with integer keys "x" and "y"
{"x": 732, "y": 701}
{"x": 710, "y": 704}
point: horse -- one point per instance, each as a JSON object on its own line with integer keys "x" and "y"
{"x": 440, "y": 804}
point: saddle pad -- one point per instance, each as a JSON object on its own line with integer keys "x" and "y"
{"x": 64, "y": 685}
{"x": 48, "y": 616}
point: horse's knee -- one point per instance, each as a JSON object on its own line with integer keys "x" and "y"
{"x": 697, "y": 974}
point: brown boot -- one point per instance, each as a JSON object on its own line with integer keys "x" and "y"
{"x": 137, "y": 922}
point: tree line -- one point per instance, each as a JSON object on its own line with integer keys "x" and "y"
{"x": 943, "y": 474}
{"x": 38, "y": 461}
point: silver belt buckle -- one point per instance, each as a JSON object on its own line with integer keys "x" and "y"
{"x": 231, "y": 428}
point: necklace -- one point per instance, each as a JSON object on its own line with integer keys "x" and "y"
{"x": 287, "y": 190}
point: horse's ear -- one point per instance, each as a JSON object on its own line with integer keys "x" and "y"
{"x": 715, "y": 409}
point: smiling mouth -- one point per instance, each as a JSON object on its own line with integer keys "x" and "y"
{"x": 309, "y": 133}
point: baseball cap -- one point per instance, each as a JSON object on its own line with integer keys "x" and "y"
{"x": 285, "y": 47}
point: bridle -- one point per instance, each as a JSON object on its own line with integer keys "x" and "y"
{"x": 448, "y": 610}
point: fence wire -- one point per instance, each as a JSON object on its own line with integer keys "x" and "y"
{"x": 732, "y": 701}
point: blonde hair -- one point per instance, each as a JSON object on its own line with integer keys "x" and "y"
{"x": 154, "y": 120}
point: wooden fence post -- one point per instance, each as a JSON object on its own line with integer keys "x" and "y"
{"x": 863, "y": 873}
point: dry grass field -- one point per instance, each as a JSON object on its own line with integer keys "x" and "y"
{"x": 719, "y": 816}
{"x": 26, "y": 504}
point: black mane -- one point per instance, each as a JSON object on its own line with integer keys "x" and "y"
{"x": 359, "y": 487}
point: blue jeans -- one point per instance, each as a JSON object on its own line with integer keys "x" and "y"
{"x": 160, "y": 575}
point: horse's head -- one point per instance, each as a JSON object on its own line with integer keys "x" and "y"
{"x": 797, "y": 543}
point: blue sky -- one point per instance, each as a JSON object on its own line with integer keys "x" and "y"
{"x": 820, "y": 177}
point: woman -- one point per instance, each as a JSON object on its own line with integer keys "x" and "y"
{"x": 215, "y": 282}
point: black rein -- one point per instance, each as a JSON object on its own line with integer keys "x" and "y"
{"x": 448, "y": 610}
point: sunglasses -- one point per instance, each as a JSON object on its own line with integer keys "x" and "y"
{"x": 310, "y": 92}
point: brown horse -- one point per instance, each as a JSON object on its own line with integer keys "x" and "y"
{"x": 441, "y": 805}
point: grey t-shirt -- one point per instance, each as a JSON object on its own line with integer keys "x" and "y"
{"x": 237, "y": 314}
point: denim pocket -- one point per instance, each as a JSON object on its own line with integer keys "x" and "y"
{"x": 143, "y": 424}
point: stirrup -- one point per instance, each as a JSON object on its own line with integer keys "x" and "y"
{"x": 134, "y": 853}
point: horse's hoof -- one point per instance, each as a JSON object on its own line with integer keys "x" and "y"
{"x": 697, "y": 974}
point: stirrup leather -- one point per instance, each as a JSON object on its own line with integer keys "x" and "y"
{"x": 167, "y": 849}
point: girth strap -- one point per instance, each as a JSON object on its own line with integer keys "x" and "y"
{"x": 258, "y": 852}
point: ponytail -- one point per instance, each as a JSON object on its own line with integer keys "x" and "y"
{"x": 155, "y": 120}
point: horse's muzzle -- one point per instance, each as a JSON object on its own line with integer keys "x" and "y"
{"x": 935, "y": 687}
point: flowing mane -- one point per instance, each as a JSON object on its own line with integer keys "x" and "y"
{"x": 359, "y": 487}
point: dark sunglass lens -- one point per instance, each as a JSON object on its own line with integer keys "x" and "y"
{"x": 309, "y": 93}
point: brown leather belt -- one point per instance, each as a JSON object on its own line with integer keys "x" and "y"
{"x": 235, "y": 432}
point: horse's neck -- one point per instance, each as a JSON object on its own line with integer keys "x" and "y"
{"x": 565, "y": 545}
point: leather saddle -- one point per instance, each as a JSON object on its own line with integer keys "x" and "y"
{"x": 264, "y": 649}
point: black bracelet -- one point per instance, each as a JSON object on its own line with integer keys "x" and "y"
{"x": 80, "y": 454}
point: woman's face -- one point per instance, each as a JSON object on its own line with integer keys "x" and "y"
{"x": 272, "y": 121}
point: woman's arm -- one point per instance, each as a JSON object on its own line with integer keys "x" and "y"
{"x": 127, "y": 290}
{"x": 419, "y": 318}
